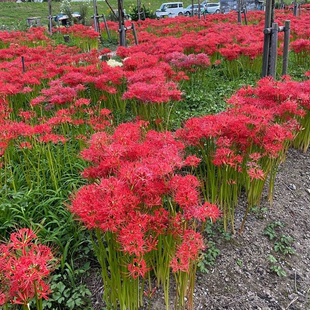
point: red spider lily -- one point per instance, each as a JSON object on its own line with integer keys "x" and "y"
{"x": 25, "y": 266}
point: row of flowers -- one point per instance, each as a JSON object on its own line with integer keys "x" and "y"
{"x": 149, "y": 193}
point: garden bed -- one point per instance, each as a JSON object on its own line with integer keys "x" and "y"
{"x": 241, "y": 278}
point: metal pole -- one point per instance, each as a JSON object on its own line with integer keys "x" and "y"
{"x": 133, "y": 27}
{"x": 106, "y": 27}
{"x": 265, "y": 70}
{"x": 273, "y": 50}
{"x": 50, "y": 17}
{"x": 286, "y": 46}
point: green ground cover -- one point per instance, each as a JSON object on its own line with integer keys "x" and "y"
{"x": 14, "y": 15}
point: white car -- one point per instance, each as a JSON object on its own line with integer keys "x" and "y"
{"x": 170, "y": 9}
{"x": 212, "y": 8}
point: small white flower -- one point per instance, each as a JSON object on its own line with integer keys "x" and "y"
{"x": 114, "y": 63}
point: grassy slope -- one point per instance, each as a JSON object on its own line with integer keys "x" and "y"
{"x": 12, "y": 14}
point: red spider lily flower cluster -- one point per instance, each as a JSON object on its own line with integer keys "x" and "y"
{"x": 24, "y": 269}
{"x": 137, "y": 170}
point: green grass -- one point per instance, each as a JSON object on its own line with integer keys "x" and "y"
{"x": 14, "y": 15}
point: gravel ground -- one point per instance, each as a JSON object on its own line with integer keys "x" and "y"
{"x": 241, "y": 278}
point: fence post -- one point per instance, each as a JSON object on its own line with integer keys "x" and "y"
{"x": 134, "y": 33}
{"x": 106, "y": 27}
{"x": 285, "y": 46}
{"x": 273, "y": 50}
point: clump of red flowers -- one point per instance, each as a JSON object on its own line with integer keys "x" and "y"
{"x": 24, "y": 269}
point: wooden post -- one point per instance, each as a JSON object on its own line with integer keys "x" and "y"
{"x": 286, "y": 46}
{"x": 273, "y": 50}
{"x": 239, "y": 13}
{"x": 23, "y": 64}
{"x": 295, "y": 10}
{"x": 95, "y": 16}
{"x": 192, "y": 8}
{"x": 272, "y": 12}
{"x": 265, "y": 68}
{"x": 199, "y": 9}
{"x": 244, "y": 13}
{"x": 139, "y": 9}
{"x": 122, "y": 33}
{"x": 106, "y": 27}
{"x": 133, "y": 27}
{"x": 67, "y": 38}
{"x": 50, "y": 17}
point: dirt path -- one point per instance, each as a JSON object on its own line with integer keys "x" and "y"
{"x": 241, "y": 278}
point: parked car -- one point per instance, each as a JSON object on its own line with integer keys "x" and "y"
{"x": 188, "y": 10}
{"x": 170, "y": 9}
{"x": 212, "y": 8}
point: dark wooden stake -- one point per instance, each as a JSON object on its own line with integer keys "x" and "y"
{"x": 67, "y": 38}
{"x": 106, "y": 27}
{"x": 295, "y": 10}
{"x": 286, "y": 46}
{"x": 239, "y": 13}
{"x": 96, "y": 16}
{"x": 139, "y": 9}
{"x": 133, "y": 27}
{"x": 244, "y": 14}
{"x": 273, "y": 50}
{"x": 23, "y": 64}
{"x": 192, "y": 7}
{"x": 122, "y": 33}
{"x": 50, "y": 17}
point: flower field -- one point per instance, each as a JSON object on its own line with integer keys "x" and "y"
{"x": 121, "y": 165}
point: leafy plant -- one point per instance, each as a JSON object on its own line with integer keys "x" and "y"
{"x": 260, "y": 212}
{"x": 66, "y": 292}
{"x": 207, "y": 258}
{"x": 283, "y": 245}
{"x": 144, "y": 13}
{"x": 275, "y": 267}
{"x": 270, "y": 230}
